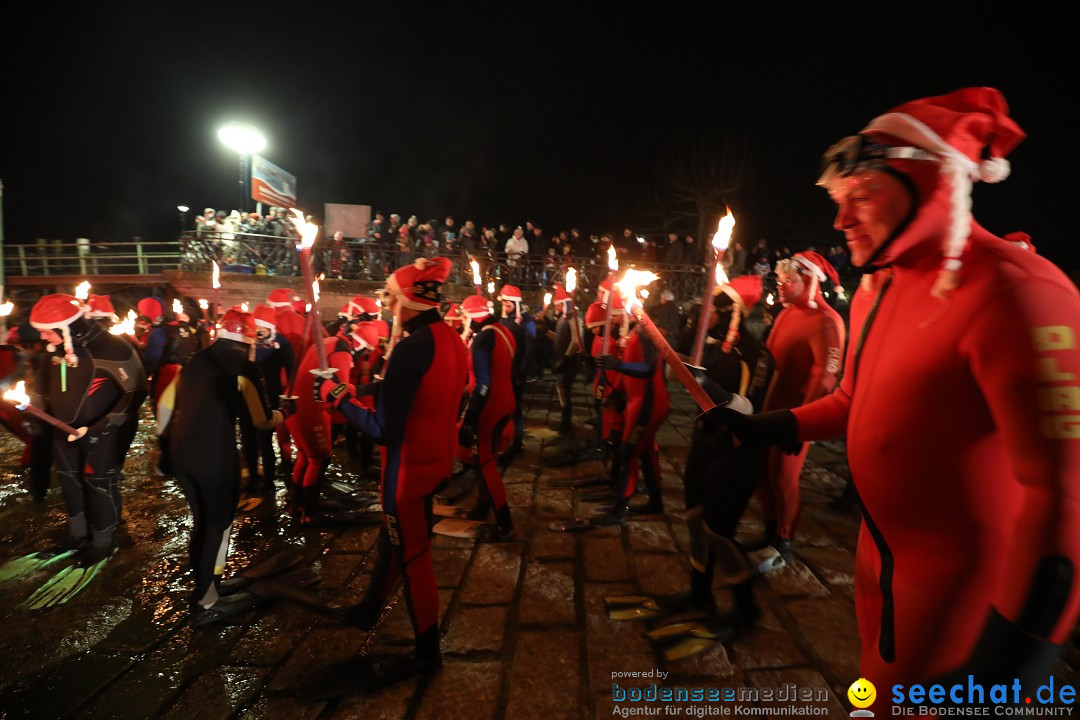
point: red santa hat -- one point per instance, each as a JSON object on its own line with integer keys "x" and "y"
{"x": 283, "y": 297}
{"x": 453, "y": 314}
{"x": 817, "y": 268}
{"x": 57, "y": 312}
{"x": 1021, "y": 239}
{"x": 594, "y": 315}
{"x": 382, "y": 328}
{"x": 265, "y": 317}
{"x": 358, "y": 306}
{"x": 477, "y": 307}
{"x": 237, "y": 324}
{"x": 100, "y": 306}
{"x": 419, "y": 284}
{"x": 745, "y": 292}
{"x": 152, "y": 307}
{"x": 365, "y": 334}
{"x": 954, "y": 130}
{"x": 511, "y": 293}
{"x": 561, "y": 296}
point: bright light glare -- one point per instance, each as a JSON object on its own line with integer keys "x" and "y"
{"x": 241, "y": 137}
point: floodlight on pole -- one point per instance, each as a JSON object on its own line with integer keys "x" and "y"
{"x": 244, "y": 139}
{"x": 183, "y": 216}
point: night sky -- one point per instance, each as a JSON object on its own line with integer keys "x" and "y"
{"x": 564, "y": 119}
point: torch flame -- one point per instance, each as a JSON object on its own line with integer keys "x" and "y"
{"x": 547, "y": 299}
{"x": 203, "y": 304}
{"x": 721, "y": 276}
{"x": 18, "y": 394}
{"x": 723, "y": 232}
{"x": 644, "y": 294}
{"x": 82, "y": 290}
{"x": 216, "y": 276}
{"x": 770, "y": 300}
{"x": 244, "y": 307}
{"x": 571, "y": 280}
{"x": 491, "y": 286}
{"x": 612, "y": 259}
{"x": 125, "y": 326}
{"x": 632, "y": 280}
{"x": 475, "y": 272}
{"x": 307, "y": 230}
{"x": 177, "y": 307}
{"x": 6, "y": 308}
{"x": 315, "y": 286}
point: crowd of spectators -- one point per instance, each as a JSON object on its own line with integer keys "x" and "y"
{"x": 526, "y": 254}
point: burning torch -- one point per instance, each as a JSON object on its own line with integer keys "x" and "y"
{"x": 613, "y": 267}
{"x": 21, "y": 400}
{"x": 308, "y": 231}
{"x": 628, "y": 287}
{"x": 715, "y": 277}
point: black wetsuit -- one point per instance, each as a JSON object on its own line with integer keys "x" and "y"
{"x": 719, "y": 478}
{"x": 218, "y": 385}
{"x": 102, "y": 393}
{"x": 272, "y": 360}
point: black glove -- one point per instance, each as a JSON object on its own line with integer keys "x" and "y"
{"x": 607, "y": 362}
{"x": 320, "y": 382}
{"x": 1004, "y": 652}
{"x": 371, "y": 388}
{"x": 778, "y": 428}
{"x": 717, "y": 394}
{"x": 287, "y": 405}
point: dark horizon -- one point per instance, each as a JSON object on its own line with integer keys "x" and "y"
{"x": 568, "y": 122}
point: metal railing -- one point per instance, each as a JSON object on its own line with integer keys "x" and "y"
{"x": 85, "y": 258}
{"x": 351, "y": 260}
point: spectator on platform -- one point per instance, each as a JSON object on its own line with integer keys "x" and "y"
{"x": 517, "y": 248}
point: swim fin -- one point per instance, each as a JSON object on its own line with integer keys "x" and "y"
{"x": 17, "y": 567}
{"x": 648, "y": 607}
{"x": 269, "y": 566}
{"x": 70, "y": 581}
{"x": 684, "y": 639}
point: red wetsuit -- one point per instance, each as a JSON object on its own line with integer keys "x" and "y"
{"x": 605, "y": 383}
{"x": 806, "y": 344}
{"x": 962, "y": 420}
{"x": 416, "y": 421}
{"x": 293, "y": 326}
{"x": 491, "y": 401}
{"x": 640, "y": 376}
{"x": 310, "y": 426}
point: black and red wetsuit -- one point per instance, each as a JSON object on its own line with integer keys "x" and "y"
{"x": 642, "y": 381}
{"x": 216, "y": 387}
{"x": 416, "y": 423}
{"x": 490, "y": 409}
{"x": 568, "y": 362}
{"x": 103, "y": 393}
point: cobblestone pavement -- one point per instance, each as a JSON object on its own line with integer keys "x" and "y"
{"x": 524, "y": 632}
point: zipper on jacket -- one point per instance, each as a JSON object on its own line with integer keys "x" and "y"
{"x": 887, "y": 639}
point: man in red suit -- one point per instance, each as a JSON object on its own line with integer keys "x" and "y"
{"x": 959, "y": 402}
{"x": 416, "y": 422}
